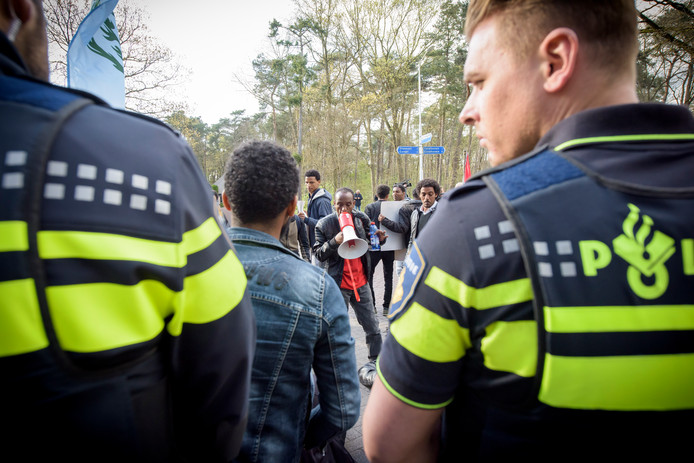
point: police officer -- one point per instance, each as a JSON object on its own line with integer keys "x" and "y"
{"x": 125, "y": 332}
{"x": 551, "y": 314}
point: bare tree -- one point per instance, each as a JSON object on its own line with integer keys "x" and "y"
{"x": 151, "y": 70}
{"x": 667, "y": 41}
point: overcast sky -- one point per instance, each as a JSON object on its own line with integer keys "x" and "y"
{"x": 216, "y": 39}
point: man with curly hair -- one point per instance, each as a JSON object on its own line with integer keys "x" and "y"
{"x": 428, "y": 190}
{"x": 301, "y": 318}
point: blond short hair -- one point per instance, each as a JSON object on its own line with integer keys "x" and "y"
{"x": 607, "y": 28}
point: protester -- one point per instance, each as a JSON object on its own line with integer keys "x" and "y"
{"x": 547, "y": 308}
{"x": 400, "y": 193}
{"x": 402, "y": 224}
{"x": 294, "y": 237}
{"x": 373, "y": 210}
{"x": 428, "y": 191}
{"x": 125, "y": 332}
{"x": 301, "y": 317}
{"x": 351, "y": 275}
{"x": 318, "y": 205}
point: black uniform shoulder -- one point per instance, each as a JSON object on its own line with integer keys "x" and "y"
{"x": 130, "y": 173}
{"x": 52, "y": 97}
{"x": 471, "y": 237}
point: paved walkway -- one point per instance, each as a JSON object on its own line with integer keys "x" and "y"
{"x": 354, "y": 443}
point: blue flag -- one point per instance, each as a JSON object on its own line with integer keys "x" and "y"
{"x": 94, "y": 59}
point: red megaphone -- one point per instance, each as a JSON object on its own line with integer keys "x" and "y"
{"x": 352, "y": 246}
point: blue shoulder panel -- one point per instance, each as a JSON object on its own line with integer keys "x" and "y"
{"x": 34, "y": 93}
{"x": 535, "y": 173}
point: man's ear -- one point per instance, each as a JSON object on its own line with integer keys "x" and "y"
{"x": 225, "y": 201}
{"x": 14, "y": 13}
{"x": 559, "y": 54}
{"x": 291, "y": 208}
{"x": 23, "y": 10}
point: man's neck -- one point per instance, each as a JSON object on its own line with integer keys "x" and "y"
{"x": 590, "y": 90}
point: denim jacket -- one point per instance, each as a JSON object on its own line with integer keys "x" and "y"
{"x": 302, "y": 322}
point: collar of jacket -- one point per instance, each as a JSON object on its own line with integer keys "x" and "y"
{"x": 249, "y": 235}
{"x": 319, "y": 192}
{"x": 11, "y": 62}
{"x": 628, "y": 119}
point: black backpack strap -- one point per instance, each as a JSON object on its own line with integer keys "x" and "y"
{"x": 37, "y": 163}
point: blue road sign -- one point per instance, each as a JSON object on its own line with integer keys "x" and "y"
{"x": 425, "y": 138}
{"x": 433, "y": 150}
{"x": 408, "y": 149}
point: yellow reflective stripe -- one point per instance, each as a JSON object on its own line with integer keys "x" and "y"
{"x": 405, "y": 399}
{"x": 13, "y": 236}
{"x": 430, "y": 336}
{"x": 209, "y": 295}
{"x": 21, "y": 326}
{"x": 511, "y": 292}
{"x": 199, "y": 238}
{"x": 626, "y": 383}
{"x": 100, "y": 316}
{"x": 106, "y": 246}
{"x": 511, "y": 347}
{"x": 626, "y": 138}
{"x": 617, "y": 319}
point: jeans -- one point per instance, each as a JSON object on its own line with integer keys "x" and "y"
{"x": 364, "y": 310}
{"x": 387, "y": 258}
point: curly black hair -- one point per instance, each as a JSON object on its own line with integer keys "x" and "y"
{"x": 312, "y": 173}
{"x": 428, "y": 182}
{"x": 382, "y": 191}
{"x": 261, "y": 180}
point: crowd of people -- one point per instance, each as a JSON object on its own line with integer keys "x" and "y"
{"x": 544, "y": 307}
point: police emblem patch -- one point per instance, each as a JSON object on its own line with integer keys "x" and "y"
{"x": 413, "y": 269}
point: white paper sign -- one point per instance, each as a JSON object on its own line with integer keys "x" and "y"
{"x": 395, "y": 240}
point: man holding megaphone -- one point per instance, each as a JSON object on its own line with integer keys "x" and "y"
{"x": 342, "y": 242}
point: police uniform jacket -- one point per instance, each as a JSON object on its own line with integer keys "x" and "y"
{"x": 552, "y": 314}
{"x": 125, "y": 332}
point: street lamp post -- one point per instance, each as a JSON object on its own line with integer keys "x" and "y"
{"x": 419, "y": 103}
